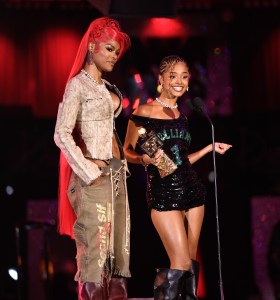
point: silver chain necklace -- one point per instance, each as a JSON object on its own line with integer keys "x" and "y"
{"x": 90, "y": 77}
{"x": 166, "y": 105}
{"x": 103, "y": 92}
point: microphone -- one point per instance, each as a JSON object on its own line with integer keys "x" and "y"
{"x": 197, "y": 105}
{"x": 189, "y": 104}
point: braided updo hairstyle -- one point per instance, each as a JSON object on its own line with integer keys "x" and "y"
{"x": 169, "y": 61}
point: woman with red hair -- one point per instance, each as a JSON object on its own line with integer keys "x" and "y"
{"x": 93, "y": 205}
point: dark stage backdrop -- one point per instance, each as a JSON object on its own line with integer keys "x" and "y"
{"x": 37, "y": 49}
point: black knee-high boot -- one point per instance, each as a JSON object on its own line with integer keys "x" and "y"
{"x": 168, "y": 284}
{"x": 189, "y": 290}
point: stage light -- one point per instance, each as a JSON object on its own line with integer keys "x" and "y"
{"x": 218, "y": 51}
{"x": 137, "y": 78}
{"x": 165, "y": 28}
{"x": 13, "y": 274}
{"x": 9, "y": 190}
{"x": 136, "y": 103}
{"x": 125, "y": 103}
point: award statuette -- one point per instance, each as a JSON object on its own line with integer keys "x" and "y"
{"x": 150, "y": 143}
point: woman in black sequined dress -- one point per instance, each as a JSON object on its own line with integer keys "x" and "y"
{"x": 176, "y": 201}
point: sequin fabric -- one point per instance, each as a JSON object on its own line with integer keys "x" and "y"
{"x": 182, "y": 189}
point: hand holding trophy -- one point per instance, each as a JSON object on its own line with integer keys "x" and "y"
{"x": 150, "y": 143}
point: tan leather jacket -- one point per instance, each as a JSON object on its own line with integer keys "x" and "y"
{"x": 85, "y": 123}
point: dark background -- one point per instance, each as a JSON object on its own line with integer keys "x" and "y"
{"x": 231, "y": 46}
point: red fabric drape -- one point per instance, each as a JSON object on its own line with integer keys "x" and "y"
{"x": 56, "y": 49}
{"x": 33, "y": 72}
{"x": 9, "y": 79}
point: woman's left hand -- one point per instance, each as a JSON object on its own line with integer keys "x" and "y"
{"x": 221, "y": 148}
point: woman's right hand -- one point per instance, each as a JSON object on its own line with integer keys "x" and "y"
{"x": 147, "y": 160}
{"x": 96, "y": 181}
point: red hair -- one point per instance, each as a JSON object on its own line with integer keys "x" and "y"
{"x": 99, "y": 30}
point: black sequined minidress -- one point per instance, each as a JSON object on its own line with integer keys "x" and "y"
{"x": 180, "y": 190}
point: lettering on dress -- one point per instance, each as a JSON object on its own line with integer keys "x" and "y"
{"x": 174, "y": 133}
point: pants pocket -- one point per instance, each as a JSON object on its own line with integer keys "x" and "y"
{"x": 74, "y": 193}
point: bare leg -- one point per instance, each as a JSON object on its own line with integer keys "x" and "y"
{"x": 171, "y": 229}
{"x": 194, "y": 218}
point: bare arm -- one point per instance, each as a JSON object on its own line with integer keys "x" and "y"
{"x": 220, "y": 148}
{"x": 129, "y": 147}
{"x": 130, "y": 143}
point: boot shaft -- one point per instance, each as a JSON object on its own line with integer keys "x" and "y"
{"x": 92, "y": 291}
{"x": 168, "y": 284}
{"x": 115, "y": 289}
{"x": 189, "y": 289}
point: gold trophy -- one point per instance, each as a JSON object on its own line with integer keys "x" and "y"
{"x": 150, "y": 143}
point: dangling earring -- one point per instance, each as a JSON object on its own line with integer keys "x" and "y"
{"x": 90, "y": 55}
{"x": 90, "y": 58}
{"x": 187, "y": 89}
{"x": 160, "y": 87}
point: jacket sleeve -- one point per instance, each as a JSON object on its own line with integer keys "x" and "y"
{"x": 63, "y": 136}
